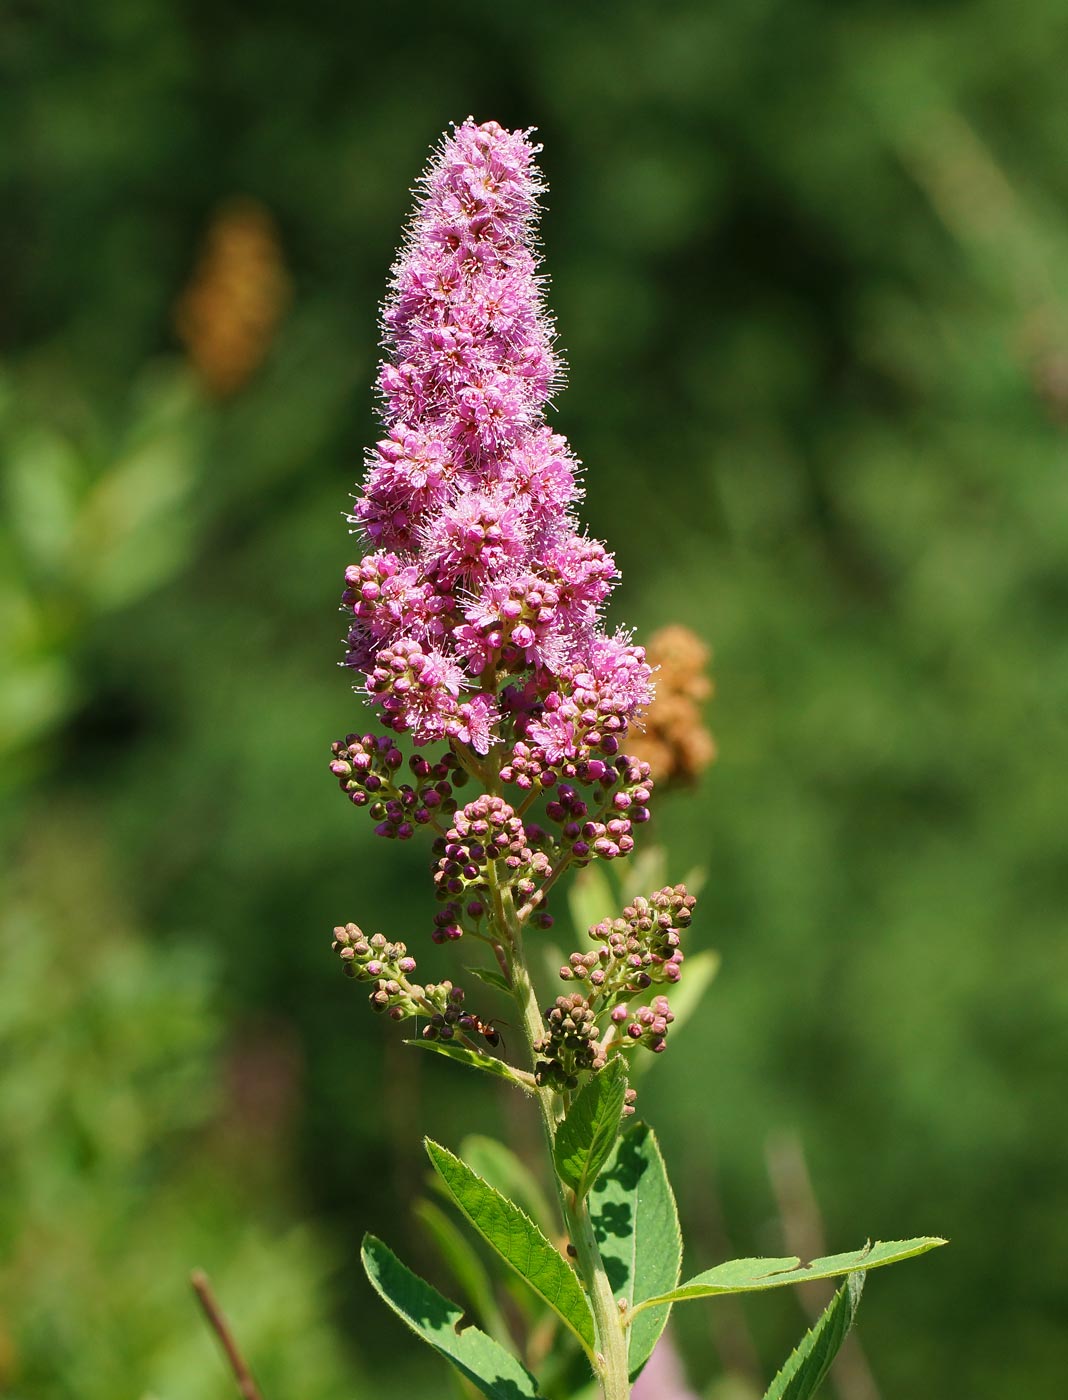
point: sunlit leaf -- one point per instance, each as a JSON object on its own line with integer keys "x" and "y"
{"x": 755, "y": 1275}
{"x": 496, "y": 1372}
{"x": 637, "y": 1230}
{"x": 474, "y": 1059}
{"x": 585, "y": 1137}
{"x": 517, "y": 1240}
{"x": 466, "y": 1266}
{"x": 500, "y": 1166}
{"x": 807, "y": 1365}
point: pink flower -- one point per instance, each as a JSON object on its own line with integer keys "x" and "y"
{"x": 480, "y": 587}
{"x": 478, "y": 535}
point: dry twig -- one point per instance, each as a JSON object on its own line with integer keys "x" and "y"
{"x": 202, "y": 1288}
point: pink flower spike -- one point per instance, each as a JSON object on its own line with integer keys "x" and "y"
{"x": 475, "y": 616}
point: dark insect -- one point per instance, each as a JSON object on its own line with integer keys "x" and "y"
{"x": 486, "y": 1029}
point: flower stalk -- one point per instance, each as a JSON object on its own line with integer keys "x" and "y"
{"x": 610, "y": 1357}
{"x": 474, "y": 623}
{"x": 475, "y": 632}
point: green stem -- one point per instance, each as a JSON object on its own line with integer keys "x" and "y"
{"x": 611, "y": 1359}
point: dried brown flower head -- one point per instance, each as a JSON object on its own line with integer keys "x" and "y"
{"x": 229, "y": 312}
{"x": 676, "y": 744}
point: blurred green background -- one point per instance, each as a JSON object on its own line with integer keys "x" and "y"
{"x": 810, "y": 267}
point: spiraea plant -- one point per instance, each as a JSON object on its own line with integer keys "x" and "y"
{"x": 504, "y": 707}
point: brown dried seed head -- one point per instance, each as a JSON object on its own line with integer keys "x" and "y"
{"x": 676, "y": 744}
{"x": 229, "y": 312}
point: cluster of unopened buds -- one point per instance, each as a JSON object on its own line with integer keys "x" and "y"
{"x": 573, "y": 1043}
{"x": 637, "y": 949}
{"x": 570, "y": 1045}
{"x": 601, "y": 823}
{"x": 366, "y": 767}
{"x": 648, "y": 1025}
{"x": 488, "y": 845}
{"x": 388, "y": 967}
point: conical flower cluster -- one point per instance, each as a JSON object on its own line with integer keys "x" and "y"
{"x": 476, "y": 615}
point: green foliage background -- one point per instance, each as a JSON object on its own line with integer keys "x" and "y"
{"x": 808, "y": 263}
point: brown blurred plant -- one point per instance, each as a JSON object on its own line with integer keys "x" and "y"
{"x": 230, "y": 309}
{"x": 676, "y": 743}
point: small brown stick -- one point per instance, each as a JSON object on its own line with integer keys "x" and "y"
{"x": 202, "y": 1288}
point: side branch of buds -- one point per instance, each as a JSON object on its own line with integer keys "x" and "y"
{"x": 638, "y": 951}
{"x": 367, "y": 767}
{"x": 388, "y": 967}
{"x": 571, "y": 1043}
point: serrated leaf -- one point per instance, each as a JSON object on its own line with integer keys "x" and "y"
{"x": 493, "y": 1370}
{"x": 754, "y": 1275}
{"x": 474, "y": 1059}
{"x": 637, "y": 1230}
{"x": 517, "y": 1240}
{"x": 466, "y": 1267}
{"x": 586, "y": 1136}
{"x": 492, "y": 978}
{"x": 500, "y": 1166}
{"x": 807, "y": 1365}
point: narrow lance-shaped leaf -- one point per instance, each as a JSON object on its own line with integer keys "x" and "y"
{"x": 475, "y": 1059}
{"x": 753, "y": 1275}
{"x": 518, "y": 1241}
{"x": 804, "y": 1370}
{"x": 466, "y": 1266}
{"x": 586, "y": 1136}
{"x": 499, "y": 1165}
{"x": 495, "y": 1371}
{"x": 637, "y": 1230}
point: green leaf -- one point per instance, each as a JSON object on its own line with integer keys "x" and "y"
{"x": 585, "y": 1137}
{"x": 637, "y": 1229}
{"x": 804, "y": 1370}
{"x": 496, "y": 1372}
{"x": 466, "y": 1266}
{"x": 500, "y": 1166}
{"x": 517, "y": 1240}
{"x": 492, "y": 978}
{"x": 753, "y": 1275}
{"x": 475, "y": 1059}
